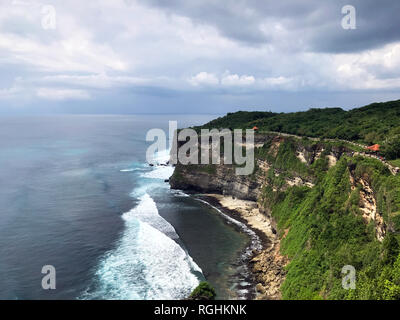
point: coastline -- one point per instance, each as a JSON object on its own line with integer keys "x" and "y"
{"x": 262, "y": 258}
{"x": 256, "y": 240}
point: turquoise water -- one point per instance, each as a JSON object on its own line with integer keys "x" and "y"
{"x": 76, "y": 193}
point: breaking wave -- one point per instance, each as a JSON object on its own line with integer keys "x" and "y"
{"x": 147, "y": 262}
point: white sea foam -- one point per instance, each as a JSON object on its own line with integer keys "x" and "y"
{"x": 143, "y": 188}
{"x": 160, "y": 172}
{"x": 170, "y": 274}
{"x": 135, "y": 167}
{"x": 179, "y": 193}
{"x": 130, "y": 170}
{"x": 161, "y": 157}
{"x": 146, "y": 211}
{"x": 147, "y": 263}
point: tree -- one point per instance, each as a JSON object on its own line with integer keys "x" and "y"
{"x": 392, "y": 147}
{"x": 372, "y": 137}
{"x": 391, "y": 249}
{"x": 203, "y": 292}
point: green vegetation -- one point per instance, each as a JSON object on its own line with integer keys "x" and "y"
{"x": 237, "y": 119}
{"x": 207, "y": 168}
{"x": 288, "y": 165}
{"x": 392, "y": 147}
{"x": 322, "y": 227}
{"x": 395, "y": 163}
{"x": 177, "y": 175}
{"x": 326, "y": 231}
{"x": 203, "y": 291}
{"x": 375, "y": 123}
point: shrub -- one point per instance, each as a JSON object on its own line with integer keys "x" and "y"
{"x": 203, "y": 291}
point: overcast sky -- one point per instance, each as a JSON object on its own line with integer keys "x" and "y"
{"x": 195, "y": 56}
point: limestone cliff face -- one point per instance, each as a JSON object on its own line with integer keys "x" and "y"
{"x": 368, "y": 204}
{"x": 223, "y": 180}
{"x": 216, "y": 179}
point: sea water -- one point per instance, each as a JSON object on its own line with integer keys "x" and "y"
{"x": 76, "y": 193}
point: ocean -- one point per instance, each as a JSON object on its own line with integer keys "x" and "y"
{"x": 76, "y": 193}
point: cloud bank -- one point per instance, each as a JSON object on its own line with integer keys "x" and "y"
{"x": 136, "y": 56}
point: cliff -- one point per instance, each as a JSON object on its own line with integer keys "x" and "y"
{"x": 223, "y": 180}
{"x": 329, "y": 206}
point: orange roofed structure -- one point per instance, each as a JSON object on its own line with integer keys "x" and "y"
{"x": 255, "y": 128}
{"x": 374, "y": 148}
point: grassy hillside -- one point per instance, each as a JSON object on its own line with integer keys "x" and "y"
{"x": 322, "y": 228}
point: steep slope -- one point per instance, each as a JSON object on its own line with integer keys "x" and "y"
{"x": 330, "y": 208}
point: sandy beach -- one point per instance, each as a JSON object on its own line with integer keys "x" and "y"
{"x": 268, "y": 264}
{"x": 249, "y": 211}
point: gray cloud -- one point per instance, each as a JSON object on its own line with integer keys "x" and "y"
{"x": 317, "y": 23}
{"x": 209, "y": 55}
